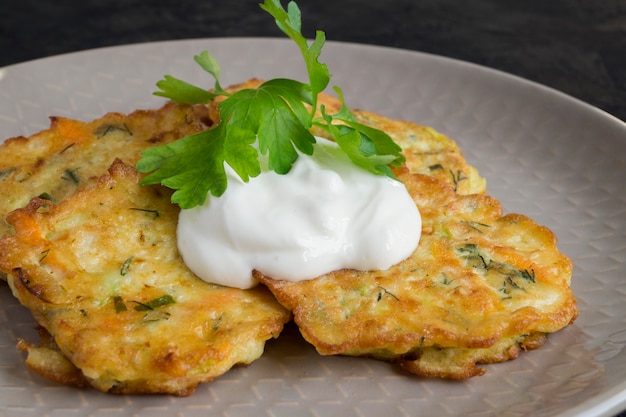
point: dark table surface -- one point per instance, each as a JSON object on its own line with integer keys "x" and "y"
{"x": 575, "y": 46}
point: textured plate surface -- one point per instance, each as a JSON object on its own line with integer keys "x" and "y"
{"x": 544, "y": 154}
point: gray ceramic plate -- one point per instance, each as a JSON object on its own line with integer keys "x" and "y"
{"x": 544, "y": 154}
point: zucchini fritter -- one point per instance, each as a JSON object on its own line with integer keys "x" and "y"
{"x": 426, "y": 150}
{"x": 479, "y": 287}
{"x": 55, "y": 162}
{"x": 95, "y": 260}
{"x": 429, "y": 152}
{"x": 101, "y": 273}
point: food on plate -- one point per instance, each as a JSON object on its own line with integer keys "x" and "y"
{"x": 55, "y": 162}
{"x": 326, "y": 214}
{"x": 429, "y": 152}
{"x": 102, "y": 241}
{"x": 270, "y": 125}
{"x": 479, "y": 288}
{"x": 95, "y": 256}
{"x": 426, "y": 151}
{"x": 101, "y": 274}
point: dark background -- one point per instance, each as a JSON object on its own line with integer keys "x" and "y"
{"x": 575, "y": 46}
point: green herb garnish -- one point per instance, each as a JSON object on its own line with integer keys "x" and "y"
{"x": 104, "y": 130}
{"x": 119, "y": 304}
{"x": 70, "y": 175}
{"x": 510, "y": 274}
{"x": 384, "y": 291}
{"x": 67, "y": 147}
{"x": 154, "y": 303}
{"x": 155, "y": 213}
{"x": 275, "y": 119}
{"x": 126, "y": 265}
{"x": 7, "y": 172}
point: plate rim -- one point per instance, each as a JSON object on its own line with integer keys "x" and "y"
{"x": 334, "y": 44}
{"x": 603, "y": 404}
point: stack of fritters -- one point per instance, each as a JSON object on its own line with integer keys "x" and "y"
{"x": 101, "y": 273}
{"x": 120, "y": 311}
{"x": 55, "y": 162}
{"x": 479, "y": 287}
{"x": 118, "y": 308}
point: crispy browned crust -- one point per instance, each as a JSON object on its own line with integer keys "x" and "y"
{"x": 426, "y": 151}
{"x": 479, "y": 286}
{"x": 46, "y": 360}
{"x": 88, "y": 269}
{"x": 71, "y": 154}
{"x": 461, "y": 363}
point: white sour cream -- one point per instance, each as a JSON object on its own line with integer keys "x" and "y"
{"x": 325, "y": 214}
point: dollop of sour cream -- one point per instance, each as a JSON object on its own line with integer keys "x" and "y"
{"x": 326, "y": 214}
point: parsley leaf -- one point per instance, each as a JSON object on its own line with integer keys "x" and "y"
{"x": 274, "y": 120}
{"x": 194, "y": 165}
{"x": 276, "y": 112}
{"x": 182, "y": 92}
{"x": 290, "y": 23}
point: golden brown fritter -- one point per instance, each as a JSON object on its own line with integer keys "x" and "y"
{"x": 55, "y": 162}
{"x": 429, "y": 152}
{"x": 479, "y": 287}
{"x": 426, "y": 150}
{"x": 120, "y": 311}
{"x": 101, "y": 273}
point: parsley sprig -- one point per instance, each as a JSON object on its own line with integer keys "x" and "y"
{"x": 274, "y": 119}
